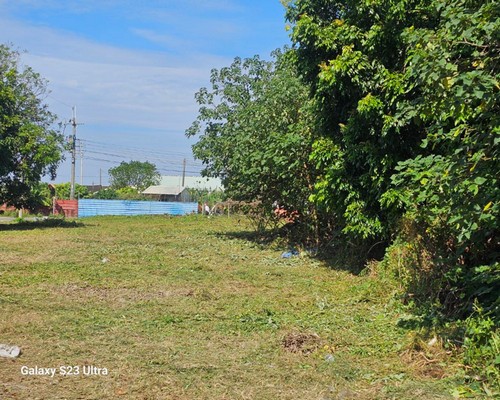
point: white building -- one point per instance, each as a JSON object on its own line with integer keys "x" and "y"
{"x": 176, "y": 188}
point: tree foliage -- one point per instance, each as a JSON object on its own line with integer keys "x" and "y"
{"x": 29, "y": 147}
{"x": 136, "y": 174}
{"x": 63, "y": 190}
{"x": 105, "y": 194}
{"x": 352, "y": 53}
{"x": 408, "y": 116}
{"x": 452, "y": 188}
{"x": 210, "y": 197}
{"x": 408, "y": 111}
{"x": 255, "y": 132}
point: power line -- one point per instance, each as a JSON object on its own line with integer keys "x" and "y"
{"x": 161, "y": 158}
{"x": 135, "y": 149}
{"x": 60, "y": 101}
{"x": 115, "y": 150}
{"x": 166, "y": 162}
{"x": 190, "y": 171}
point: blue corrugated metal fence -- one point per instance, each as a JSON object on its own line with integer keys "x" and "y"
{"x": 90, "y": 208}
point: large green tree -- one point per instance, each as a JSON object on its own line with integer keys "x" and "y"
{"x": 352, "y": 53}
{"x": 408, "y": 88}
{"x": 408, "y": 94}
{"x": 29, "y": 147}
{"x": 254, "y": 131}
{"x": 137, "y": 174}
{"x": 452, "y": 189}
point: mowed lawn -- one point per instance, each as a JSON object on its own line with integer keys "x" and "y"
{"x": 190, "y": 308}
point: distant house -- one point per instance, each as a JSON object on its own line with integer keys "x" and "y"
{"x": 95, "y": 188}
{"x": 166, "y": 193}
{"x": 192, "y": 182}
{"x": 176, "y": 188}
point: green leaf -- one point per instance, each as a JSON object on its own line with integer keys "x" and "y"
{"x": 479, "y": 180}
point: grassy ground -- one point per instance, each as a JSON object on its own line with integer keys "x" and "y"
{"x": 184, "y": 308}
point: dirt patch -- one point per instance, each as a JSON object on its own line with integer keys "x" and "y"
{"x": 301, "y": 342}
{"x": 427, "y": 359}
{"x": 425, "y": 365}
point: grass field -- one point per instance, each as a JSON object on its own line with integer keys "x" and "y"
{"x": 187, "y": 308}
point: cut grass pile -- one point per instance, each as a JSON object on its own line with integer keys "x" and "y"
{"x": 183, "y": 308}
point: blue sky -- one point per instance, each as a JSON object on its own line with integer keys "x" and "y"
{"x": 131, "y": 68}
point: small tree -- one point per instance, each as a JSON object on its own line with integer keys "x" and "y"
{"x": 205, "y": 195}
{"x": 254, "y": 132}
{"x": 29, "y": 148}
{"x": 105, "y": 194}
{"x": 137, "y": 174}
{"x": 63, "y": 191}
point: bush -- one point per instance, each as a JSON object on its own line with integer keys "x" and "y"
{"x": 460, "y": 301}
{"x": 105, "y": 194}
{"x": 63, "y": 191}
{"x": 129, "y": 193}
{"x": 482, "y": 347}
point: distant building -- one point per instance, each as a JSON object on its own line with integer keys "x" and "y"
{"x": 176, "y": 188}
{"x": 192, "y": 182}
{"x": 95, "y": 188}
{"x": 165, "y": 193}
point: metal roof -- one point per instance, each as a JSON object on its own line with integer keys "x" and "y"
{"x": 160, "y": 189}
{"x": 192, "y": 182}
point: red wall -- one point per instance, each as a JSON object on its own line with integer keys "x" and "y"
{"x": 68, "y": 208}
{"x": 4, "y": 207}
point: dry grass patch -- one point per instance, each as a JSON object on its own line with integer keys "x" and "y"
{"x": 122, "y": 296}
{"x": 190, "y": 308}
{"x": 428, "y": 358}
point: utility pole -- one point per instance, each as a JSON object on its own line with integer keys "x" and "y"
{"x": 73, "y": 155}
{"x": 183, "y": 172}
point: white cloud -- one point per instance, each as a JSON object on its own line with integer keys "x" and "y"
{"x": 142, "y": 98}
{"x": 135, "y": 95}
{"x": 149, "y": 96}
{"x": 169, "y": 41}
{"x": 115, "y": 86}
